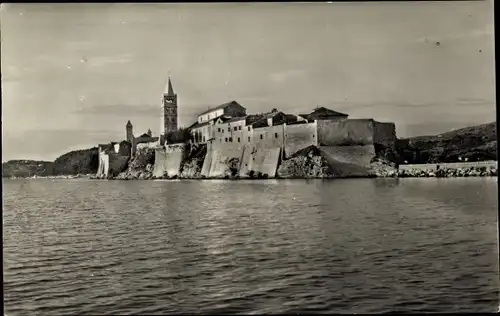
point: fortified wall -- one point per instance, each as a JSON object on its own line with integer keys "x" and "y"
{"x": 299, "y": 136}
{"x": 355, "y": 141}
{"x": 168, "y": 160}
{"x": 258, "y": 151}
{"x": 113, "y": 158}
{"x": 247, "y": 152}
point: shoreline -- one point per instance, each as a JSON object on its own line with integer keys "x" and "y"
{"x": 470, "y": 172}
{"x": 436, "y": 170}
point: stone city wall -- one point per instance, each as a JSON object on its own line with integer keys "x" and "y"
{"x": 299, "y": 136}
{"x": 357, "y": 132}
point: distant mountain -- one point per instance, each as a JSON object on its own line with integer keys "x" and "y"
{"x": 83, "y": 161}
{"x": 474, "y": 143}
{"x": 26, "y": 168}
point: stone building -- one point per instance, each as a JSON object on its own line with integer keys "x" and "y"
{"x": 134, "y": 141}
{"x": 203, "y": 131}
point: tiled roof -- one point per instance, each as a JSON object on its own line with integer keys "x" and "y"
{"x": 224, "y": 119}
{"x": 198, "y": 125}
{"x": 222, "y": 106}
{"x": 323, "y": 110}
{"x": 253, "y": 118}
{"x": 260, "y": 120}
{"x": 236, "y": 119}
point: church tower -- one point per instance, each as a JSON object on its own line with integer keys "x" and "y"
{"x": 169, "y": 105}
{"x": 130, "y": 132}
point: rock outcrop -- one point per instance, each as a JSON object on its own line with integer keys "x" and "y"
{"x": 313, "y": 162}
{"x": 306, "y": 163}
{"x": 193, "y": 163}
{"x": 382, "y": 168}
{"x": 140, "y": 167}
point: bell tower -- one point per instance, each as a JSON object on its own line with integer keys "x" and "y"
{"x": 169, "y": 105}
{"x": 130, "y": 132}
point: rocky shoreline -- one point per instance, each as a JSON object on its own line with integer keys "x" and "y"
{"x": 406, "y": 173}
{"x": 449, "y": 172}
{"x": 414, "y": 173}
{"x": 378, "y": 171}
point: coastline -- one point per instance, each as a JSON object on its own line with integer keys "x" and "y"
{"x": 457, "y": 170}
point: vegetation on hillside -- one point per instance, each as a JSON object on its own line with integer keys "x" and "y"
{"x": 475, "y": 143}
{"x": 26, "y": 168}
{"x": 84, "y": 161}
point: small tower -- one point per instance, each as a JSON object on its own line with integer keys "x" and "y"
{"x": 169, "y": 105}
{"x": 130, "y": 132}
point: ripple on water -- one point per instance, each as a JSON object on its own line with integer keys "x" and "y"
{"x": 140, "y": 247}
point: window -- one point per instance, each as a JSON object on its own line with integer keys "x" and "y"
{"x": 238, "y": 139}
{"x": 203, "y": 138}
{"x": 229, "y": 129}
{"x": 261, "y": 136}
{"x": 239, "y": 127}
{"x": 275, "y": 135}
{"x": 249, "y": 128}
{"x": 230, "y": 139}
{"x": 248, "y": 138}
{"x": 235, "y": 128}
{"x": 208, "y": 116}
{"x": 226, "y": 140}
{"x": 218, "y": 130}
{"x": 220, "y": 140}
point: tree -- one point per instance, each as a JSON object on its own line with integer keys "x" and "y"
{"x": 181, "y": 135}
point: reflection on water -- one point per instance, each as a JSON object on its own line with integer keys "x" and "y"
{"x": 275, "y": 246}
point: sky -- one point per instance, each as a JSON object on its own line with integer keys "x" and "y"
{"x": 73, "y": 74}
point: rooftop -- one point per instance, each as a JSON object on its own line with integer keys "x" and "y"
{"x": 326, "y": 112}
{"x": 236, "y": 119}
{"x": 222, "y": 106}
{"x": 198, "y": 125}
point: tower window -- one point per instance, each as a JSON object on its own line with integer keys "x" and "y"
{"x": 275, "y": 135}
{"x": 261, "y": 136}
{"x": 239, "y": 127}
{"x": 235, "y": 128}
{"x": 249, "y": 128}
{"x": 238, "y": 139}
{"x": 248, "y": 138}
{"x": 226, "y": 140}
{"x": 218, "y": 130}
{"x": 229, "y": 129}
{"x": 230, "y": 139}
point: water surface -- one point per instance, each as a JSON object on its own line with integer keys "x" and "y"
{"x": 74, "y": 247}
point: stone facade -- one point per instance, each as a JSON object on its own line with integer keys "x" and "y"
{"x": 113, "y": 158}
{"x": 204, "y": 129}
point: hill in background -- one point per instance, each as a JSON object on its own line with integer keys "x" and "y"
{"x": 476, "y": 143}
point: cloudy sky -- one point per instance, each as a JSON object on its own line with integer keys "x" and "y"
{"x": 73, "y": 74}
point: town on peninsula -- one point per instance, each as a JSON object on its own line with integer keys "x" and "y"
{"x": 226, "y": 142}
